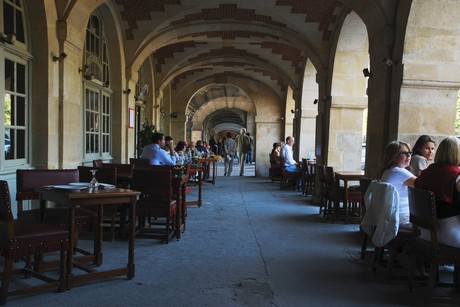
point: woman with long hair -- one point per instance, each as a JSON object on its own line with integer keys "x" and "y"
{"x": 423, "y": 154}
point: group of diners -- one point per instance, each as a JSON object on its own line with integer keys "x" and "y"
{"x": 405, "y": 168}
{"x": 161, "y": 151}
{"x": 285, "y": 168}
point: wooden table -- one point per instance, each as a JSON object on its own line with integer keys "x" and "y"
{"x": 214, "y": 167}
{"x": 347, "y": 176}
{"x": 98, "y": 199}
{"x": 179, "y": 185}
{"x": 196, "y": 169}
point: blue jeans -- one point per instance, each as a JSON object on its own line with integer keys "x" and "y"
{"x": 249, "y": 157}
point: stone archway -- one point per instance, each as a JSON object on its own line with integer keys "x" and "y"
{"x": 348, "y": 95}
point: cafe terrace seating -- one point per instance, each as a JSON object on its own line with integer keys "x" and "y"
{"x": 308, "y": 177}
{"x": 422, "y": 206}
{"x": 364, "y": 185}
{"x": 139, "y": 162}
{"x": 28, "y": 180}
{"x": 155, "y": 185}
{"x": 25, "y": 239}
{"x": 107, "y": 175}
{"x": 124, "y": 172}
{"x": 288, "y": 178}
{"x": 381, "y": 222}
{"x": 275, "y": 169}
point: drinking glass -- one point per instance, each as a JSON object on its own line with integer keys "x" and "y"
{"x": 93, "y": 183}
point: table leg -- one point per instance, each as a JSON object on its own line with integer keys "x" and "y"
{"x": 183, "y": 205}
{"x": 214, "y": 172}
{"x": 132, "y": 229}
{"x": 71, "y": 222}
{"x": 200, "y": 184}
{"x": 345, "y": 199}
{"x": 99, "y": 235}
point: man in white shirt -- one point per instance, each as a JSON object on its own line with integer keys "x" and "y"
{"x": 291, "y": 165}
{"x": 156, "y": 154}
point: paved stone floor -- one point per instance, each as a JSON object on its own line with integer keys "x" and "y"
{"x": 250, "y": 244}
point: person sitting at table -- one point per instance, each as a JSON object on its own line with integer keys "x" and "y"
{"x": 423, "y": 154}
{"x": 290, "y": 165}
{"x": 396, "y": 158}
{"x": 155, "y": 152}
{"x": 202, "y": 151}
{"x": 443, "y": 179}
{"x": 181, "y": 157}
{"x": 276, "y": 151}
{"x": 191, "y": 151}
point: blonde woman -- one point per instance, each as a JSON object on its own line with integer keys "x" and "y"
{"x": 396, "y": 158}
{"x": 443, "y": 178}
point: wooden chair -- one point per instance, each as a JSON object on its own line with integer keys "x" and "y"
{"x": 275, "y": 169}
{"x": 97, "y": 163}
{"x": 20, "y": 240}
{"x": 288, "y": 177}
{"x": 364, "y": 184}
{"x": 308, "y": 177}
{"x": 156, "y": 201}
{"x": 422, "y": 206}
{"x": 334, "y": 195}
{"x": 321, "y": 173}
{"x": 382, "y": 199}
{"x": 112, "y": 213}
{"x": 28, "y": 180}
{"x": 140, "y": 163}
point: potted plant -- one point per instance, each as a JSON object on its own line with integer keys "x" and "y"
{"x": 144, "y": 136}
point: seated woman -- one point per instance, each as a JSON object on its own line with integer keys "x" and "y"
{"x": 396, "y": 158}
{"x": 276, "y": 153}
{"x": 423, "y": 154}
{"x": 181, "y": 157}
{"x": 443, "y": 178}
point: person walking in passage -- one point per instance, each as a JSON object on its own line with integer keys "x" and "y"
{"x": 249, "y": 155}
{"x": 229, "y": 150}
{"x": 243, "y": 144}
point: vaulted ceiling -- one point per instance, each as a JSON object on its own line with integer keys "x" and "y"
{"x": 263, "y": 42}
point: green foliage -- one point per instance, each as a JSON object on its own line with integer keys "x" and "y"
{"x": 145, "y": 136}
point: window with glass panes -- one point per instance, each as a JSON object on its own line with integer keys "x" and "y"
{"x": 13, "y": 128}
{"x": 97, "y": 93}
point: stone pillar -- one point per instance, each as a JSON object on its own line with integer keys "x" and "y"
{"x": 268, "y": 131}
{"x": 346, "y": 132}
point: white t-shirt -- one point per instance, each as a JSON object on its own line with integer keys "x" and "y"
{"x": 397, "y": 176}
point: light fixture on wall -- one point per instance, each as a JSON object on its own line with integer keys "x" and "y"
{"x": 389, "y": 62}
{"x": 292, "y": 111}
{"x": 8, "y": 38}
{"x": 84, "y": 70}
{"x": 127, "y": 91}
{"x": 156, "y": 106}
{"x": 59, "y": 58}
{"x": 315, "y": 101}
{"x": 367, "y": 73}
